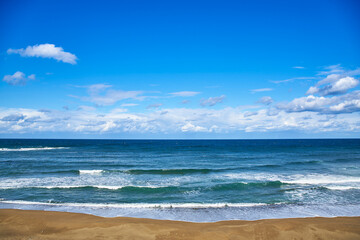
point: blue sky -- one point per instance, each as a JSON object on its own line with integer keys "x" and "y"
{"x": 179, "y": 69}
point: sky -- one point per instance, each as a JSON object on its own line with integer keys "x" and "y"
{"x": 180, "y": 69}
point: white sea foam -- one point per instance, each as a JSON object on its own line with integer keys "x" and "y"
{"x": 83, "y": 180}
{"x": 100, "y": 186}
{"x": 309, "y": 179}
{"x": 51, "y": 187}
{"x": 194, "y": 212}
{"x": 141, "y": 205}
{"x": 81, "y": 186}
{"x": 110, "y": 187}
{"x": 322, "y": 179}
{"x": 341, "y": 188}
{"x": 30, "y": 149}
{"x": 91, "y": 171}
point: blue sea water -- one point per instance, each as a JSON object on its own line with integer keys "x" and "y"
{"x": 190, "y": 180}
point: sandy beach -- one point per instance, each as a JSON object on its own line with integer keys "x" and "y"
{"x": 26, "y": 224}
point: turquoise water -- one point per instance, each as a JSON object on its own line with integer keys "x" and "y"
{"x": 191, "y": 180}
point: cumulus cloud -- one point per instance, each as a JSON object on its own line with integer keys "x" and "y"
{"x": 335, "y": 95}
{"x": 212, "y": 101}
{"x": 333, "y": 84}
{"x": 184, "y": 94}
{"x": 347, "y": 103}
{"x": 18, "y": 78}
{"x": 188, "y": 127}
{"x": 266, "y": 100}
{"x": 261, "y": 90}
{"x": 45, "y": 51}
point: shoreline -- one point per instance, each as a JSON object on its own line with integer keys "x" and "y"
{"x": 38, "y": 224}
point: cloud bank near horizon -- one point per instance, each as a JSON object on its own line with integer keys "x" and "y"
{"x": 334, "y": 106}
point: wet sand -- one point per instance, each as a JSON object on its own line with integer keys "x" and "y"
{"x": 26, "y": 224}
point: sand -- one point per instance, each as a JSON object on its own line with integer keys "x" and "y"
{"x": 26, "y": 224}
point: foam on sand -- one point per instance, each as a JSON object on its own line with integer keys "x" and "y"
{"x": 141, "y": 205}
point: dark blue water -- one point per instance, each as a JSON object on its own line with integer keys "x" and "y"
{"x": 191, "y": 180}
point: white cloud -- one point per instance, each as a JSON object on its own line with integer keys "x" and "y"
{"x": 354, "y": 72}
{"x": 293, "y": 79}
{"x": 333, "y": 98}
{"x": 298, "y": 67}
{"x": 18, "y": 78}
{"x": 45, "y": 51}
{"x": 266, "y": 100}
{"x": 102, "y": 95}
{"x": 333, "y": 84}
{"x": 261, "y": 90}
{"x": 129, "y": 104}
{"x": 178, "y": 120}
{"x": 188, "y": 127}
{"x": 346, "y": 106}
{"x": 96, "y": 88}
{"x": 309, "y": 114}
{"x": 184, "y": 94}
{"x": 342, "y": 85}
{"x": 332, "y": 69}
{"x": 113, "y": 96}
{"x": 347, "y": 103}
{"x": 212, "y": 101}
{"x": 13, "y": 117}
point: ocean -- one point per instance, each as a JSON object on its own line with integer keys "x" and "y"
{"x": 188, "y": 180}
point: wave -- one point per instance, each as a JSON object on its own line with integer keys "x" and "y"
{"x": 147, "y": 189}
{"x": 284, "y": 165}
{"x": 341, "y": 188}
{"x": 310, "y": 179}
{"x": 345, "y": 160}
{"x": 125, "y": 187}
{"x": 180, "y": 171}
{"x": 179, "y": 184}
{"x": 152, "y": 171}
{"x": 243, "y": 185}
{"x": 141, "y": 205}
{"x": 30, "y": 149}
{"x": 303, "y": 162}
{"x": 96, "y": 172}
{"x": 315, "y": 180}
{"x": 84, "y": 186}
